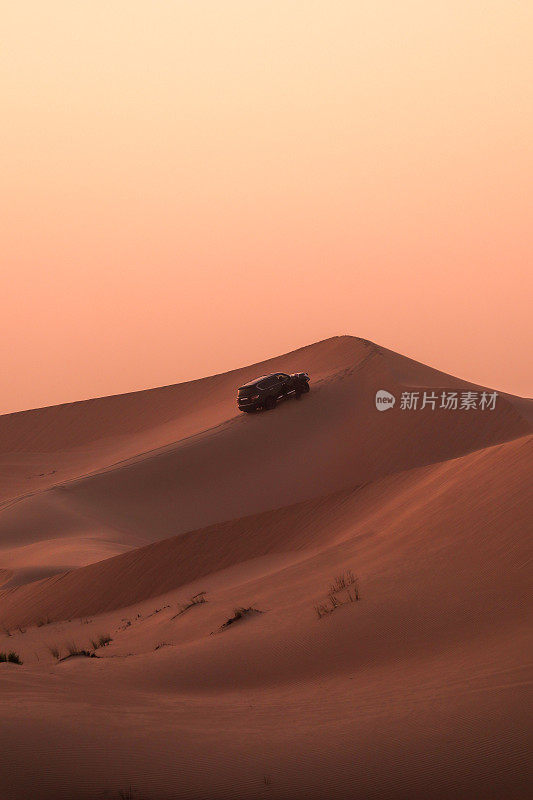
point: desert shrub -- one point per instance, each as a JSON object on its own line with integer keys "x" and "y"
{"x": 195, "y": 600}
{"x": 101, "y": 641}
{"x": 322, "y": 609}
{"x": 355, "y": 590}
{"x": 344, "y": 589}
{"x": 74, "y": 650}
{"x": 343, "y": 581}
{"x": 54, "y": 651}
{"x": 240, "y": 613}
{"x": 11, "y": 657}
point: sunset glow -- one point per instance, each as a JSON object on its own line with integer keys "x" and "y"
{"x": 193, "y": 186}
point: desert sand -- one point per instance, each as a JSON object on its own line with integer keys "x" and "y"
{"x": 115, "y": 512}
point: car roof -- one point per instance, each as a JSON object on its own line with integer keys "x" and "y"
{"x": 261, "y": 378}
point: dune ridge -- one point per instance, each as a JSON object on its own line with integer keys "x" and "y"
{"x": 153, "y": 476}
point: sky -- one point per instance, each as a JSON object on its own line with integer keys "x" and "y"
{"x": 192, "y": 186}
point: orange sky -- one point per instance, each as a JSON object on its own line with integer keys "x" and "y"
{"x": 189, "y": 186}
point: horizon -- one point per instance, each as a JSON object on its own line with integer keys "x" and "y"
{"x": 193, "y": 187}
{"x": 261, "y": 361}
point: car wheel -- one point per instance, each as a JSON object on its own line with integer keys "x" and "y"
{"x": 301, "y": 388}
{"x": 270, "y": 403}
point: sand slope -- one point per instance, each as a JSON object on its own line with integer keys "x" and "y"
{"x": 419, "y": 689}
{"x": 168, "y": 466}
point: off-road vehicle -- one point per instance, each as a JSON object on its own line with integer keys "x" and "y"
{"x": 264, "y": 392}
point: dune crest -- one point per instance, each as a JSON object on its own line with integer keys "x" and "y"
{"x": 127, "y": 470}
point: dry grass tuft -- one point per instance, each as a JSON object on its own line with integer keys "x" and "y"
{"x": 11, "y": 658}
{"x": 343, "y": 581}
{"x": 74, "y": 650}
{"x": 101, "y": 641}
{"x": 195, "y": 600}
{"x": 240, "y": 613}
{"x": 344, "y": 589}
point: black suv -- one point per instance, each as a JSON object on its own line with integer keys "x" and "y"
{"x": 264, "y": 392}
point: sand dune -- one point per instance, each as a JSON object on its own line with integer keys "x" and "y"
{"x": 312, "y": 525}
{"x": 160, "y": 476}
{"x": 419, "y": 689}
{"x": 49, "y": 448}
